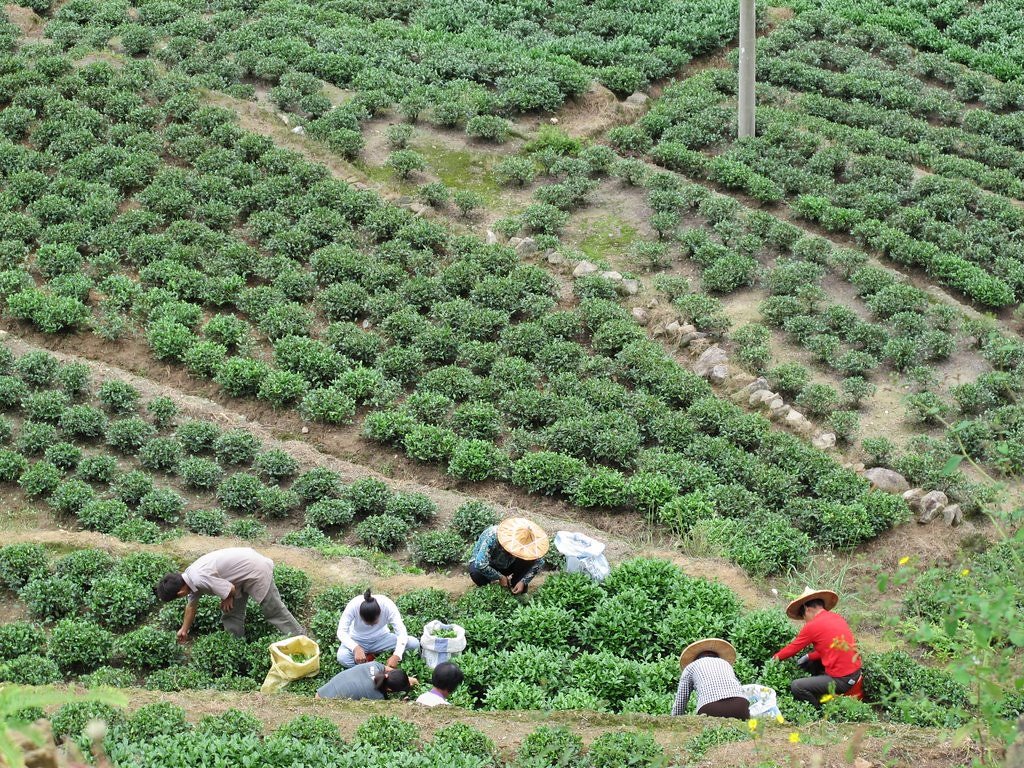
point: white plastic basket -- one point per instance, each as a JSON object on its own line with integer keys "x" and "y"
{"x": 436, "y": 650}
{"x": 762, "y": 700}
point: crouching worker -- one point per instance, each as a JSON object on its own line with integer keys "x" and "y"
{"x": 510, "y": 553}
{"x": 707, "y": 670}
{"x": 447, "y": 677}
{"x": 234, "y": 575}
{"x": 371, "y": 680}
{"x": 369, "y": 626}
{"x": 833, "y": 663}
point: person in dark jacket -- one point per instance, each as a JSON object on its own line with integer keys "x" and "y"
{"x": 510, "y": 553}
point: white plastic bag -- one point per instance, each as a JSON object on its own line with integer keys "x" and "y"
{"x": 583, "y": 554}
{"x": 762, "y": 701}
{"x": 436, "y": 650}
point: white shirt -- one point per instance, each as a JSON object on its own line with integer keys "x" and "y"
{"x": 431, "y": 699}
{"x": 353, "y": 631}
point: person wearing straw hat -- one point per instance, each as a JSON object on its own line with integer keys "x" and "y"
{"x": 707, "y": 670}
{"x": 510, "y": 553}
{"x": 833, "y": 663}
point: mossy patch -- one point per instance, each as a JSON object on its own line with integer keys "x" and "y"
{"x": 461, "y": 169}
{"x": 606, "y": 239}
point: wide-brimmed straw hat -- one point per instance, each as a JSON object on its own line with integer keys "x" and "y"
{"x": 522, "y": 538}
{"x": 830, "y": 598}
{"x": 723, "y": 648}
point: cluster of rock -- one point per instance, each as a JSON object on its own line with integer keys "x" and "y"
{"x": 926, "y": 505}
{"x": 624, "y": 286}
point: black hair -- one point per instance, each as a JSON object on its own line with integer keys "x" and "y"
{"x": 369, "y": 610}
{"x": 169, "y": 587}
{"x": 396, "y": 681}
{"x": 815, "y": 603}
{"x": 447, "y": 676}
{"x": 707, "y": 655}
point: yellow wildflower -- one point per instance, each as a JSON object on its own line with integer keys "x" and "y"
{"x": 794, "y": 738}
{"x": 904, "y": 560}
{"x": 965, "y": 572}
{"x": 752, "y": 724}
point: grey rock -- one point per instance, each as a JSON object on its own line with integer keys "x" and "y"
{"x": 887, "y": 480}
{"x": 283, "y": 118}
{"x": 776, "y": 403}
{"x": 491, "y": 237}
{"x": 824, "y": 441}
{"x": 612, "y": 275}
{"x": 673, "y": 327}
{"x": 952, "y": 515}
{"x": 514, "y": 242}
{"x": 637, "y": 99}
{"x": 554, "y": 257}
{"x": 913, "y": 497}
{"x": 630, "y": 287}
{"x": 526, "y": 247}
{"x": 711, "y": 357}
{"x": 795, "y": 419}
{"x": 756, "y": 385}
{"x": 718, "y": 374}
{"x": 298, "y": 130}
{"x": 689, "y": 337}
{"x": 584, "y": 268}
{"x": 931, "y": 506}
{"x": 641, "y": 315}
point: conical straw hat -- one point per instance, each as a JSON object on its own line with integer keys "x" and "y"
{"x": 831, "y": 600}
{"x": 723, "y": 648}
{"x": 522, "y": 538}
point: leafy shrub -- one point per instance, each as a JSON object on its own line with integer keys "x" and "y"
{"x": 318, "y": 483}
{"x": 472, "y": 518}
{"x": 148, "y": 648}
{"x": 162, "y": 410}
{"x": 241, "y": 493}
{"x": 118, "y": 602}
{"x": 405, "y": 162}
{"x": 71, "y": 496}
{"x": 19, "y": 563}
{"x": 477, "y": 460}
{"x": 327, "y": 406}
{"x": 515, "y": 695}
{"x": 35, "y": 437}
{"x": 19, "y": 638}
{"x": 369, "y": 496}
{"x": 72, "y": 718}
{"x": 108, "y": 677}
{"x": 219, "y": 653}
{"x": 386, "y": 733}
{"x": 160, "y": 453}
{"x": 83, "y": 422}
{"x": 241, "y": 376}
{"x": 129, "y": 435}
{"x": 30, "y": 670}
{"x": 610, "y": 750}
{"x": 97, "y": 469}
{"x": 37, "y": 369}
{"x": 118, "y": 396}
{"x": 80, "y": 645}
{"x": 275, "y": 465}
{"x": 757, "y": 635}
{"x": 436, "y": 548}
{"x": 384, "y": 532}
{"x": 104, "y": 515}
{"x": 250, "y": 530}
{"x": 197, "y": 436}
{"x": 64, "y": 456}
{"x": 49, "y": 598}
{"x": 235, "y": 447}
{"x": 199, "y": 473}
{"x": 46, "y": 405}
{"x": 548, "y": 746}
{"x": 132, "y": 486}
{"x": 206, "y": 522}
{"x": 40, "y": 479}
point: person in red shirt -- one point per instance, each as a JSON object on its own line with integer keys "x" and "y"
{"x": 833, "y": 663}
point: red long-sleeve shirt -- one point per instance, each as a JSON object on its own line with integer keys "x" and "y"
{"x": 833, "y": 644}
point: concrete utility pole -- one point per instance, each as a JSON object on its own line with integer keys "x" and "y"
{"x": 748, "y": 49}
